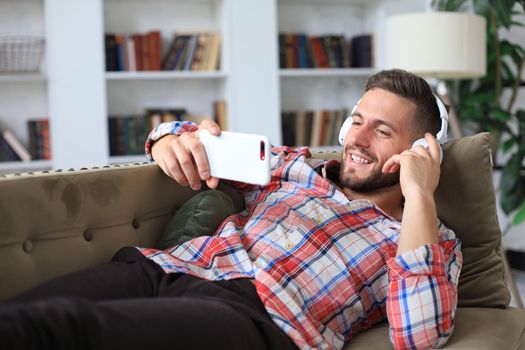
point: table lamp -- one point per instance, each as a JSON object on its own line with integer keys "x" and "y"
{"x": 439, "y": 45}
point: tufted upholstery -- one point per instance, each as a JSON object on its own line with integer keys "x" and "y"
{"x": 57, "y": 222}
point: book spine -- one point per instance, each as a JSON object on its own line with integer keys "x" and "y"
{"x": 46, "y": 139}
{"x": 213, "y": 61}
{"x": 110, "y": 45}
{"x": 220, "y": 114}
{"x": 146, "y": 58}
{"x": 8, "y": 153}
{"x": 155, "y": 49}
{"x": 137, "y": 40}
{"x": 16, "y": 145}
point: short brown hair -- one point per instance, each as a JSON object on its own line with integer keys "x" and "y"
{"x": 415, "y": 89}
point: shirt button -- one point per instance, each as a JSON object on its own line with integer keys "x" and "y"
{"x": 289, "y": 245}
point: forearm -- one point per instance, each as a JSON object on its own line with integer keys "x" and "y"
{"x": 419, "y": 224}
{"x": 422, "y": 295}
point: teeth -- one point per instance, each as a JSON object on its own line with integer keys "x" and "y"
{"x": 360, "y": 160}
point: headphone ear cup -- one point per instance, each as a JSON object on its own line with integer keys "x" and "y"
{"x": 420, "y": 142}
{"x": 424, "y": 143}
{"x": 344, "y": 130}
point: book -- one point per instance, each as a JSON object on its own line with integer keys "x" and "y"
{"x": 317, "y": 124}
{"x": 46, "y": 139}
{"x": 212, "y": 56}
{"x": 323, "y": 132}
{"x": 154, "y": 40}
{"x": 175, "y": 52}
{"x": 110, "y": 46}
{"x": 39, "y": 138}
{"x": 288, "y": 128}
{"x": 304, "y": 57}
{"x": 326, "y": 43}
{"x": 319, "y": 54}
{"x": 137, "y": 43}
{"x": 282, "y": 51}
{"x": 220, "y": 114}
{"x": 198, "y": 55}
{"x": 362, "y": 51}
{"x": 14, "y": 143}
{"x": 130, "y": 49}
{"x": 300, "y": 131}
{"x": 8, "y": 154}
{"x": 121, "y": 59}
{"x": 145, "y": 53}
{"x": 345, "y": 51}
{"x": 185, "y": 53}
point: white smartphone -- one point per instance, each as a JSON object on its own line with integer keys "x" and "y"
{"x": 238, "y": 156}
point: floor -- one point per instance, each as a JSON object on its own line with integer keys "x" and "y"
{"x": 519, "y": 278}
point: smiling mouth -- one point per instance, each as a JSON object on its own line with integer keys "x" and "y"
{"x": 360, "y": 160}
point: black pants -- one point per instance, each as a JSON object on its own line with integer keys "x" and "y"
{"x": 130, "y": 303}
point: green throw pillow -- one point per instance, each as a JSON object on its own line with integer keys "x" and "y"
{"x": 201, "y": 215}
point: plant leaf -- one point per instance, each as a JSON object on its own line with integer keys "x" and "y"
{"x": 507, "y": 145}
{"x": 510, "y": 175}
{"x": 501, "y": 115}
{"x": 483, "y": 8}
{"x": 520, "y": 215}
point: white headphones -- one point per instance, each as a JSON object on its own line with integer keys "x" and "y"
{"x": 441, "y": 136}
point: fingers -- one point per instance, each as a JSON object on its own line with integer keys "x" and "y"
{"x": 433, "y": 146}
{"x": 212, "y": 182}
{"x": 193, "y": 163}
{"x": 392, "y": 165}
{"x": 211, "y": 126}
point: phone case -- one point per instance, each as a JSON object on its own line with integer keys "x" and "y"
{"x": 238, "y": 156}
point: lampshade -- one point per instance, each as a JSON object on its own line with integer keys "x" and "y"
{"x": 445, "y": 45}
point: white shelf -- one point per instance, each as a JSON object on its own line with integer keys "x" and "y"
{"x": 327, "y": 72}
{"x": 165, "y": 75}
{"x": 328, "y": 2}
{"x": 21, "y": 77}
{"x": 20, "y": 166}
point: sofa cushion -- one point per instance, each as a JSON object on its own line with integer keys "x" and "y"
{"x": 474, "y": 329}
{"x": 199, "y": 216}
{"x": 466, "y": 203}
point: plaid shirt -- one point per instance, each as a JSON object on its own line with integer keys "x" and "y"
{"x": 325, "y": 266}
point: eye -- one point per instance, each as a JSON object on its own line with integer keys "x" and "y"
{"x": 382, "y": 132}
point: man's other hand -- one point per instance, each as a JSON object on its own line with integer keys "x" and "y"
{"x": 419, "y": 168}
{"x": 183, "y": 158}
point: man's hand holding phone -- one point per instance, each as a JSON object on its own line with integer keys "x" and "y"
{"x": 183, "y": 158}
{"x": 207, "y": 154}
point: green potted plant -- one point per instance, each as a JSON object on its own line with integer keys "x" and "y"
{"x": 479, "y": 102}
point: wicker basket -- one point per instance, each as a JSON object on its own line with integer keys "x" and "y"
{"x": 20, "y": 53}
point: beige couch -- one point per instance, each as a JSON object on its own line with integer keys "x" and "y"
{"x": 56, "y": 222}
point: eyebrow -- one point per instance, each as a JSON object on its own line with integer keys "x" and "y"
{"x": 379, "y": 122}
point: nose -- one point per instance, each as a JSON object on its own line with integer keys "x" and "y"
{"x": 359, "y": 136}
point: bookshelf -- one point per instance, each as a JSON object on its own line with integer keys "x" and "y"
{"x": 134, "y": 92}
{"x": 22, "y": 18}
{"x": 317, "y": 89}
{"x": 78, "y": 95}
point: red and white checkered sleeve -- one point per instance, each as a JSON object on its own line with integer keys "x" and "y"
{"x": 422, "y": 295}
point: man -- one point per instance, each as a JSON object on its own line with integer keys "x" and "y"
{"x": 323, "y": 251}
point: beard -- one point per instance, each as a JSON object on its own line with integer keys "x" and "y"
{"x": 376, "y": 180}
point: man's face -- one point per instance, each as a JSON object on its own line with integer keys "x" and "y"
{"x": 380, "y": 129}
